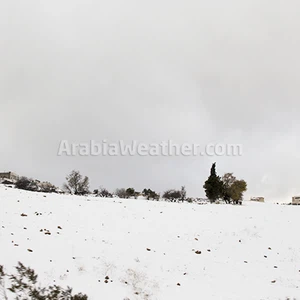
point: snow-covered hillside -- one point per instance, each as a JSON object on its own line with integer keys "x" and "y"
{"x": 153, "y": 250}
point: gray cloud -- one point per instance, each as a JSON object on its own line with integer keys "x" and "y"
{"x": 198, "y": 71}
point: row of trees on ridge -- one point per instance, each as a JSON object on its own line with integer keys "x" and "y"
{"x": 227, "y": 188}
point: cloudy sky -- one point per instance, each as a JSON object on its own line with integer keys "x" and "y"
{"x": 192, "y": 71}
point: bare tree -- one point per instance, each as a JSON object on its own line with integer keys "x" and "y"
{"x": 183, "y": 193}
{"x": 228, "y": 179}
{"x": 76, "y": 184}
{"x": 103, "y": 192}
{"x": 121, "y": 193}
{"x": 233, "y": 189}
{"x": 47, "y": 187}
{"x": 172, "y": 195}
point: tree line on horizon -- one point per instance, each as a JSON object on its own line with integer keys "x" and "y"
{"x": 226, "y": 188}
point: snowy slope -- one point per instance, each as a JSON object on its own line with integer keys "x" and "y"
{"x": 110, "y": 237}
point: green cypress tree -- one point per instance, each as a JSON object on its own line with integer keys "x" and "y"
{"x": 213, "y": 185}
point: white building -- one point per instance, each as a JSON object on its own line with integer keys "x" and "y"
{"x": 296, "y": 200}
{"x": 258, "y": 199}
{"x": 8, "y": 175}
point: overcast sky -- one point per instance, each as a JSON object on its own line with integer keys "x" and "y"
{"x": 192, "y": 71}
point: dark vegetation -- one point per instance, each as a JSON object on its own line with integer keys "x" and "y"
{"x": 24, "y": 285}
{"x": 226, "y": 188}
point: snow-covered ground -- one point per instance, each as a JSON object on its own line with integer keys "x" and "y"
{"x": 149, "y": 249}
